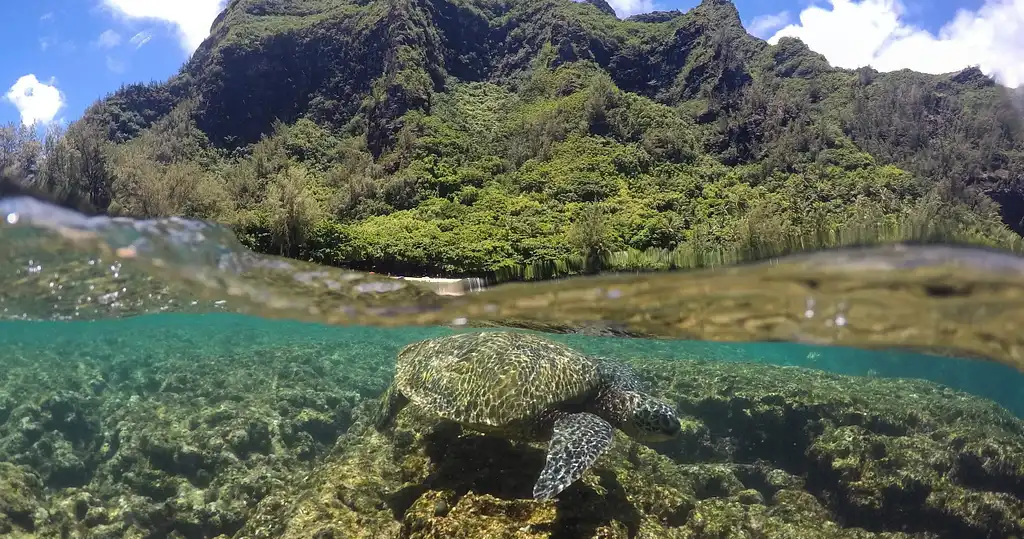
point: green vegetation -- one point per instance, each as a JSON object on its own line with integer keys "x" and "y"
{"x": 539, "y": 138}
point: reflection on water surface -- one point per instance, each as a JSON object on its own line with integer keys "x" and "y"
{"x": 158, "y": 380}
{"x": 949, "y": 300}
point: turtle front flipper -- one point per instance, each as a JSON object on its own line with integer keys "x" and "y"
{"x": 577, "y": 441}
{"x": 391, "y": 402}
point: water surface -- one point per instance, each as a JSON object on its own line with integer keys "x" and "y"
{"x": 159, "y": 380}
{"x": 945, "y": 299}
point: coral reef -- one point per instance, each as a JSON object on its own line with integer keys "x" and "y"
{"x": 767, "y": 452}
{"x": 260, "y": 439}
{"x": 163, "y": 436}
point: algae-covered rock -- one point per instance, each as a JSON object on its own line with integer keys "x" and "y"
{"x": 448, "y": 483}
{"x": 881, "y": 454}
{"x": 178, "y": 444}
{"x": 259, "y": 441}
{"x": 765, "y": 452}
{"x": 20, "y": 497}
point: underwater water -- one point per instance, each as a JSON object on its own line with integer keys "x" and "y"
{"x": 158, "y": 380}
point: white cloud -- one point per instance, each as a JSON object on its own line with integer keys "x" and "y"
{"x": 191, "y": 18}
{"x": 874, "y": 32}
{"x": 36, "y": 101}
{"x": 625, "y": 8}
{"x": 765, "y": 25}
{"x": 108, "y": 39}
{"x": 141, "y": 38}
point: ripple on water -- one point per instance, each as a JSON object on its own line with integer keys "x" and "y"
{"x": 59, "y": 264}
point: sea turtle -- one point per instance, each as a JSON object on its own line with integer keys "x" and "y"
{"x": 524, "y": 386}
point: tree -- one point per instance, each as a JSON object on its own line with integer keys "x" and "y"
{"x": 591, "y": 236}
{"x": 292, "y": 208}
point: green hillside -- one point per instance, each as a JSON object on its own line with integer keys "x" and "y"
{"x": 471, "y": 136}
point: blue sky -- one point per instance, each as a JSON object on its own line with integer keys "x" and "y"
{"x": 62, "y": 55}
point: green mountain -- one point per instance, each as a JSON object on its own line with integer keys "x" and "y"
{"x": 467, "y": 136}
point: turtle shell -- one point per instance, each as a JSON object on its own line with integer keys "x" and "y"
{"x": 493, "y": 377}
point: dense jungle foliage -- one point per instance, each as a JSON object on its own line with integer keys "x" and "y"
{"x": 537, "y": 137}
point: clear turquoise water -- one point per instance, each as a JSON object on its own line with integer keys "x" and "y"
{"x": 99, "y": 275}
{"x": 147, "y": 338}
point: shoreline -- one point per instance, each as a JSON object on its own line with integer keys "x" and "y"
{"x": 448, "y": 286}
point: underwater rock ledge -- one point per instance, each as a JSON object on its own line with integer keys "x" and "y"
{"x": 766, "y": 452}
{"x": 261, "y": 443}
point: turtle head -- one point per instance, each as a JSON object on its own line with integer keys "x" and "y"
{"x": 648, "y": 419}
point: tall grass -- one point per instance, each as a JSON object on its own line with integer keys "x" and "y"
{"x": 753, "y": 247}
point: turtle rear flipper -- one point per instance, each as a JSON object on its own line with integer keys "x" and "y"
{"x": 391, "y": 402}
{"x": 577, "y": 441}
